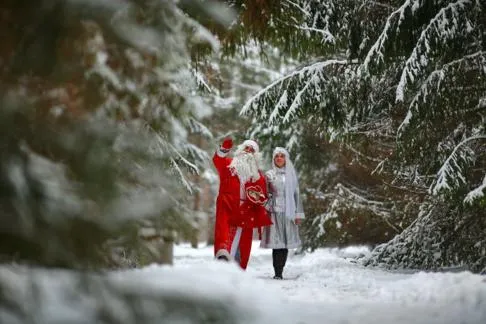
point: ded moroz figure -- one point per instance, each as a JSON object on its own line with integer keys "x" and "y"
{"x": 240, "y": 202}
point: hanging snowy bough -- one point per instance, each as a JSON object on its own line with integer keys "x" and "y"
{"x": 196, "y": 127}
{"x": 451, "y": 22}
{"x": 451, "y": 174}
{"x": 438, "y": 82}
{"x": 476, "y": 194}
{"x": 376, "y": 55}
{"x": 285, "y": 98}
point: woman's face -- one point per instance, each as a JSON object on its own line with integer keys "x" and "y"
{"x": 279, "y": 160}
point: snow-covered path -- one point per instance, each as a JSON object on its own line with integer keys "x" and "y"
{"x": 331, "y": 288}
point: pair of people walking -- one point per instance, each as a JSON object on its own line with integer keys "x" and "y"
{"x": 249, "y": 198}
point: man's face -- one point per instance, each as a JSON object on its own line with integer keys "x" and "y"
{"x": 249, "y": 149}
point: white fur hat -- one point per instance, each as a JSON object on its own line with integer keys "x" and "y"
{"x": 251, "y": 143}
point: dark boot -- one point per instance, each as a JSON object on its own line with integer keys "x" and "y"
{"x": 283, "y": 261}
{"x": 279, "y": 258}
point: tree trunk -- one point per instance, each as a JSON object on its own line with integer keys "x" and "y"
{"x": 166, "y": 248}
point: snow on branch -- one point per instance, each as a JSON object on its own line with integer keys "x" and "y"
{"x": 476, "y": 193}
{"x": 284, "y": 96}
{"x": 379, "y": 4}
{"x": 200, "y": 33}
{"x": 327, "y": 36}
{"x": 196, "y": 153}
{"x": 482, "y": 102}
{"x": 201, "y": 80}
{"x": 450, "y": 174}
{"x": 196, "y": 127}
{"x": 316, "y": 18}
{"x": 448, "y": 22}
{"x": 187, "y": 184}
{"x": 352, "y": 199}
{"x": 296, "y": 5}
{"x": 297, "y": 100}
{"x": 376, "y": 51}
{"x": 433, "y": 83}
{"x": 163, "y": 147}
{"x": 345, "y": 191}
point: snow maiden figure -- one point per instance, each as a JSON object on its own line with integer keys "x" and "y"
{"x": 286, "y": 210}
{"x": 240, "y": 203}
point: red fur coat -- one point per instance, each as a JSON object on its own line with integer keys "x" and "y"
{"x": 229, "y": 212}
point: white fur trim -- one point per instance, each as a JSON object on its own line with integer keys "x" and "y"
{"x": 236, "y": 242}
{"x": 223, "y": 252}
{"x": 251, "y": 143}
{"x": 220, "y": 153}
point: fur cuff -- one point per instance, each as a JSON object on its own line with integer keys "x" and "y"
{"x": 222, "y": 153}
{"x": 223, "y": 253}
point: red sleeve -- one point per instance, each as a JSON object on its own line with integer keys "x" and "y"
{"x": 221, "y": 160}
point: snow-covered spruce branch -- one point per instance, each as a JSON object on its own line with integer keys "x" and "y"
{"x": 433, "y": 83}
{"x": 187, "y": 184}
{"x": 447, "y": 172}
{"x": 410, "y": 174}
{"x": 298, "y": 99}
{"x": 417, "y": 190}
{"x": 296, "y": 5}
{"x": 314, "y": 76}
{"x": 445, "y": 25}
{"x": 201, "y": 80}
{"x": 165, "y": 148}
{"x": 201, "y": 33}
{"x": 376, "y": 51}
{"x": 379, "y": 167}
{"x": 477, "y": 193}
{"x": 367, "y": 157}
{"x": 379, "y": 4}
{"x": 196, "y": 153}
{"x": 375, "y": 127}
{"x": 357, "y": 197}
{"x": 197, "y": 127}
{"x": 316, "y": 18}
{"x": 482, "y": 103}
{"x": 327, "y": 36}
{"x": 354, "y": 200}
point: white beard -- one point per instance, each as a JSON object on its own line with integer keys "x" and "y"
{"x": 245, "y": 166}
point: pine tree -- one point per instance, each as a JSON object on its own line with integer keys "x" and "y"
{"x": 98, "y": 101}
{"x": 407, "y": 100}
{"x": 98, "y": 110}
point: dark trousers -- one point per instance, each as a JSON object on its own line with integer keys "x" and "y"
{"x": 279, "y": 257}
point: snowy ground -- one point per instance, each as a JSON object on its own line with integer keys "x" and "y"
{"x": 322, "y": 287}
{"x": 330, "y": 288}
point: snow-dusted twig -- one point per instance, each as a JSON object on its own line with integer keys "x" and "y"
{"x": 305, "y": 12}
{"x": 447, "y": 170}
{"x": 380, "y": 4}
{"x": 302, "y": 73}
{"x": 434, "y": 80}
{"x": 476, "y": 193}
{"x": 377, "y": 49}
{"x": 327, "y": 36}
{"x": 197, "y": 127}
{"x": 441, "y": 25}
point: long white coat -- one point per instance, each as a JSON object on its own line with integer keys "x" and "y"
{"x": 284, "y": 233}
